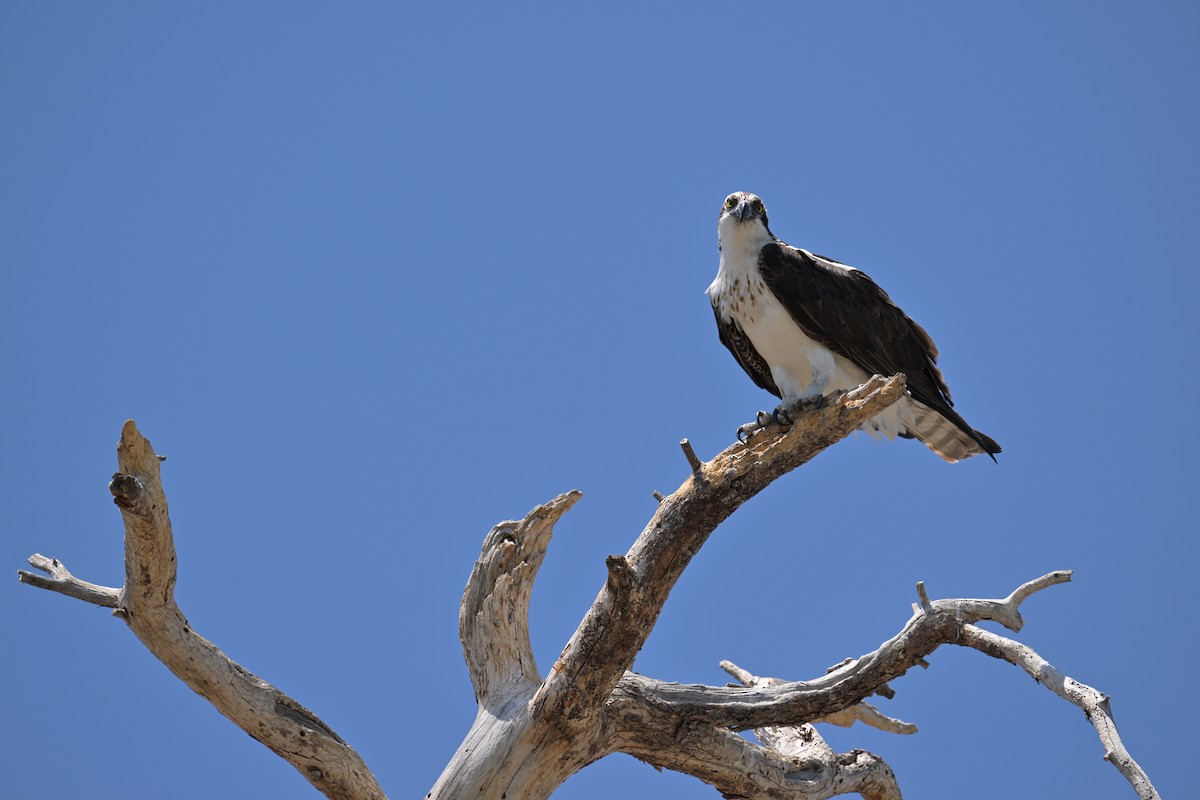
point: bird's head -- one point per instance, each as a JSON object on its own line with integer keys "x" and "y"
{"x": 743, "y": 219}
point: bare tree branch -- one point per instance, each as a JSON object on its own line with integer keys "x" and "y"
{"x": 530, "y": 733}
{"x": 870, "y": 716}
{"x": 147, "y": 603}
{"x": 494, "y": 616}
{"x": 846, "y": 685}
{"x": 64, "y": 582}
{"x": 790, "y": 706}
{"x": 1095, "y": 704}
{"x": 612, "y": 632}
{"x": 794, "y": 764}
{"x": 526, "y": 746}
{"x": 865, "y": 713}
{"x": 843, "y": 773}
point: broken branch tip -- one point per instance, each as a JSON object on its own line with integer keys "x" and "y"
{"x": 693, "y": 460}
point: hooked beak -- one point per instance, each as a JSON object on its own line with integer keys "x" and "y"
{"x": 743, "y": 210}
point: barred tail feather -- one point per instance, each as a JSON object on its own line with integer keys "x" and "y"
{"x": 947, "y": 439}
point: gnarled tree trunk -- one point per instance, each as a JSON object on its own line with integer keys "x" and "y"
{"x": 533, "y": 731}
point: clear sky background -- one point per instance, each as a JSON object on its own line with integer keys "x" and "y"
{"x": 375, "y": 277}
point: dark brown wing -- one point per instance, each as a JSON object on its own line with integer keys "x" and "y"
{"x": 846, "y": 311}
{"x": 733, "y": 337}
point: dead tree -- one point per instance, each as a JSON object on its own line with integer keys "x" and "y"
{"x": 532, "y": 731}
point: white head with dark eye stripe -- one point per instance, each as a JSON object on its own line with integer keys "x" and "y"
{"x": 743, "y": 219}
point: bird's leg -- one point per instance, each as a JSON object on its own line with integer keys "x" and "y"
{"x": 811, "y": 399}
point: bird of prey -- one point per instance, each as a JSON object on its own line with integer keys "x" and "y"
{"x": 803, "y": 326}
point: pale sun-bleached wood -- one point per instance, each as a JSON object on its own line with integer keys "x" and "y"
{"x": 1095, "y": 704}
{"x": 616, "y": 627}
{"x": 496, "y": 641}
{"x": 61, "y": 581}
{"x": 147, "y": 604}
{"x": 773, "y": 703}
{"x": 526, "y": 747}
{"x": 739, "y": 768}
{"x": 865, "y": 713}
{"x": 845, "y": 685}
{"x": 533, "y": 732}
{"x": 839, "y": 773}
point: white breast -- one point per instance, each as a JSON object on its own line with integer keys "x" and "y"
{"x": 801, "y": 368}
{"x": 796, "y": 361}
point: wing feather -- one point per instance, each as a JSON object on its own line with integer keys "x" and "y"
{"x": 846, "y": 311}
{"x": 734, "y": 338}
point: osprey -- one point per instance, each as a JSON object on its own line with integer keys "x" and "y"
{"x": 802, "y": 325}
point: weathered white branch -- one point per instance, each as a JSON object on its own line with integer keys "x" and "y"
{"x": 64, "y": 582}
{"x": 526, "y": 740}
{"x": 1095, "y": 704}
{"x": 739, "y": 768}
{"x": 842, "y": 773}
{"x": 793, "y": 703}
{"x": 532, "y": 733}
{"x": 870, "y": 716}
{"x": 703, "y": 708}
{"x": 509, "y": 751}
{"x": 147, "y": 603}
{"x": 792, "y": 763}
{"x": 616, "y": 627}
{"x": 494, "y": 617}
{"x": 865, "y": 713}
{"x": 525, "y": 746}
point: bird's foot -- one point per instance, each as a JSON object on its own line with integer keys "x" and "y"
{"x": 781, "y": 416}
{"x": 763, "y": 420}
{"x": 812, "y": 403}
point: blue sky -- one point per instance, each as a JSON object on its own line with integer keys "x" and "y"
{"x": 376, "y": 278}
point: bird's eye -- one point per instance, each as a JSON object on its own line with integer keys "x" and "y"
{"x": 759, "y": 207}
{"x": 730, "y": 201}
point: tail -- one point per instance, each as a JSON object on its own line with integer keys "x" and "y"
{"x": 949, "y": 435}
